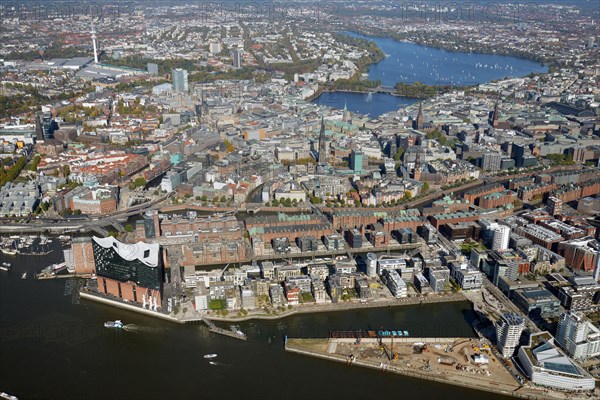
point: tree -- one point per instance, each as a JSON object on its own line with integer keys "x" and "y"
{"x": 407, "y": 196}
{"x": 77, "y": 211}
{"x": 223, "y": 199}
{"x": 399, "y": 154}
{"x": 128, "y": 228}
{"x": 425, "y": 187}
{"x": 140, "y": 182}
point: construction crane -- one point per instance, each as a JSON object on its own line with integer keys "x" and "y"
{"x": 391, "y": 354}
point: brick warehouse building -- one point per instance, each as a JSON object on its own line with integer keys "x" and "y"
{"x": 83, "y": 256}
{"x": 346, "y": 219}
{"x": 532, "y": 192}
{"x": 474, "y": 194}
{"x": 497, "y": 199}
{"x": 132, "y": 272}
{"x": 438, "y": 220}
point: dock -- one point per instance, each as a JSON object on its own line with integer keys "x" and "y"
{"x": 213, "y": 328}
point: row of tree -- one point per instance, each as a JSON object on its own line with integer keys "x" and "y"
{"x": 11, "y": 173}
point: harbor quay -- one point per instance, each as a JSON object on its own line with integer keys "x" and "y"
{"x": 193, "y": 317}
{"x": 466, "y": 362}
{"x": 317, "y": 308}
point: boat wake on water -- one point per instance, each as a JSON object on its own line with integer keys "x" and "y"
{"x": 141, "y": 328}
{"x": 219, "y": 364}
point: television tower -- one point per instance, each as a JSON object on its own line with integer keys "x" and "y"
{"x": 94, "y": 44}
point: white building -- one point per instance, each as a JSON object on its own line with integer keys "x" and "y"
{"x": 466, "y": 277}
{"x": 508, "y": 332}
{"x": 578, "y": 336}
{"x": 501, "y": 234}
{"x": 201, "y": 301}
{"x": 170, "y": 181}
{"x": 393, "y": 281}
{"x": 546, "y": 365}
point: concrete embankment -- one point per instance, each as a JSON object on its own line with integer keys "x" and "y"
{"x": 310, "y": 309}
{"x": 104, "y": 300}
{"x": 322, "y": 348}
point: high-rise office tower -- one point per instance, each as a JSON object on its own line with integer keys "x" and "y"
{"x": 236, "y": 56}
{"x": 508, "y": 332}
{"x": 180, "y": 80}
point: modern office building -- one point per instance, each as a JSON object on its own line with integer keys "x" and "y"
{"x": 371, "y": 263}
{"x": 438, "y": 278}
{"x": 466, "y": 277}
{"x": 393, "y": 281}
{"x": 537, "y": 302}
{"x": 180, "y": 80}
{"x": 236, "y": 56}
{"x": 491, "y": 161}
{"x": 45, "y": 125}
{"x": 356, "y": 161}
{"x": 131, "y": 272}
{"x": 579, "y": 295}
{"x": 546, "y": 365}
{"x": 152, "y": 68}
{"x": 578, "y": 336}
{"x": 508, "y": 332}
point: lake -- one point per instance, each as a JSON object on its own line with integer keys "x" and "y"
{"x": 410, "y": 62}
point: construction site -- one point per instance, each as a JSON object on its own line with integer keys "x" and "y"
{"x": 468, "y": 362}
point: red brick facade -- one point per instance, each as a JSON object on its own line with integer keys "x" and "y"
{"x": 127, "y": 291}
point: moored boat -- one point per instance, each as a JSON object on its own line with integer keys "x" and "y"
{"x": 210, "y": 355}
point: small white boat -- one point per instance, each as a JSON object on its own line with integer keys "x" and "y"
{"x": 6, "y": 264}
{"x": 4, "y": 268}
{"x": 210, "y": 355}
{"x": 24, "y": 276}
{"x": 237, "y": 331}
{"x": 118, "y": 324}
{"x": 7, "y": 396}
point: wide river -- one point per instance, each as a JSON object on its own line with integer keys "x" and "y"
{"x": 410, "y": 62}
{"x": 54, "y": 346}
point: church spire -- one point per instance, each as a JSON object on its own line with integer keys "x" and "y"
{"x": 345, "y": 112}
{"x": 419, "y": 122}
{"x": 496, "y": 115}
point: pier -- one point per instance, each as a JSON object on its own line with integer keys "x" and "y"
{"x": 221, "y": 331}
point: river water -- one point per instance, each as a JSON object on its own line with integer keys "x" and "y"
{"x": 54, "y": 346}
{"x": 410, "y": 62}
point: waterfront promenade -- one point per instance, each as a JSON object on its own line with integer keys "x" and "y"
{"x": 345, "y": 306}
{"x": 191, "y": 316}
